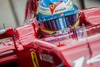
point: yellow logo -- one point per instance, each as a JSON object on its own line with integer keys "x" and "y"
{"x": 34, "y": 59}
{"x": 52, "y": 6}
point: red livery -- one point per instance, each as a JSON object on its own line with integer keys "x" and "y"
{"x": 25, "y": 46}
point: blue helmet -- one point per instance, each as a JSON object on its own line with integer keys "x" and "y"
{"x": 57, "y": 14}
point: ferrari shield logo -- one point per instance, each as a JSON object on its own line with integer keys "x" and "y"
{"x": 53, "y": 6}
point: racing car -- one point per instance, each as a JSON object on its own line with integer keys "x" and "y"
{"x": 55, "y": 34}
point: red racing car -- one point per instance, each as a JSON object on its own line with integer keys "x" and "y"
{"x": 36, "y": 45}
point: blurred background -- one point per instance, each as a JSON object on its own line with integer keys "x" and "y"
{"x": 12, "y": 12}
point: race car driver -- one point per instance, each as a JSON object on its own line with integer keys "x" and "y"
{"x": 56, "y": 15}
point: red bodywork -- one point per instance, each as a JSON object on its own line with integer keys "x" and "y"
{"x": 23, "y": 48}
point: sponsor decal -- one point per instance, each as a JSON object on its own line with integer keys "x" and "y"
{"x": 94, "y": 59}
{"x": 46, "y": 57}
{"x": 62, "y": 9}
{"x": 81, "y": 61}
{"x": 34, "y": 59}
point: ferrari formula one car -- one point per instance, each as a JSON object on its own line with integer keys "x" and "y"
{"x": 57, "y": 36}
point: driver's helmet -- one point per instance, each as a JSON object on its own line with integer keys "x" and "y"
{"x": 55, "y": 15}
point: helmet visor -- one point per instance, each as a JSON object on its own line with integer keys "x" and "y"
{"x": 61, "y": 23}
